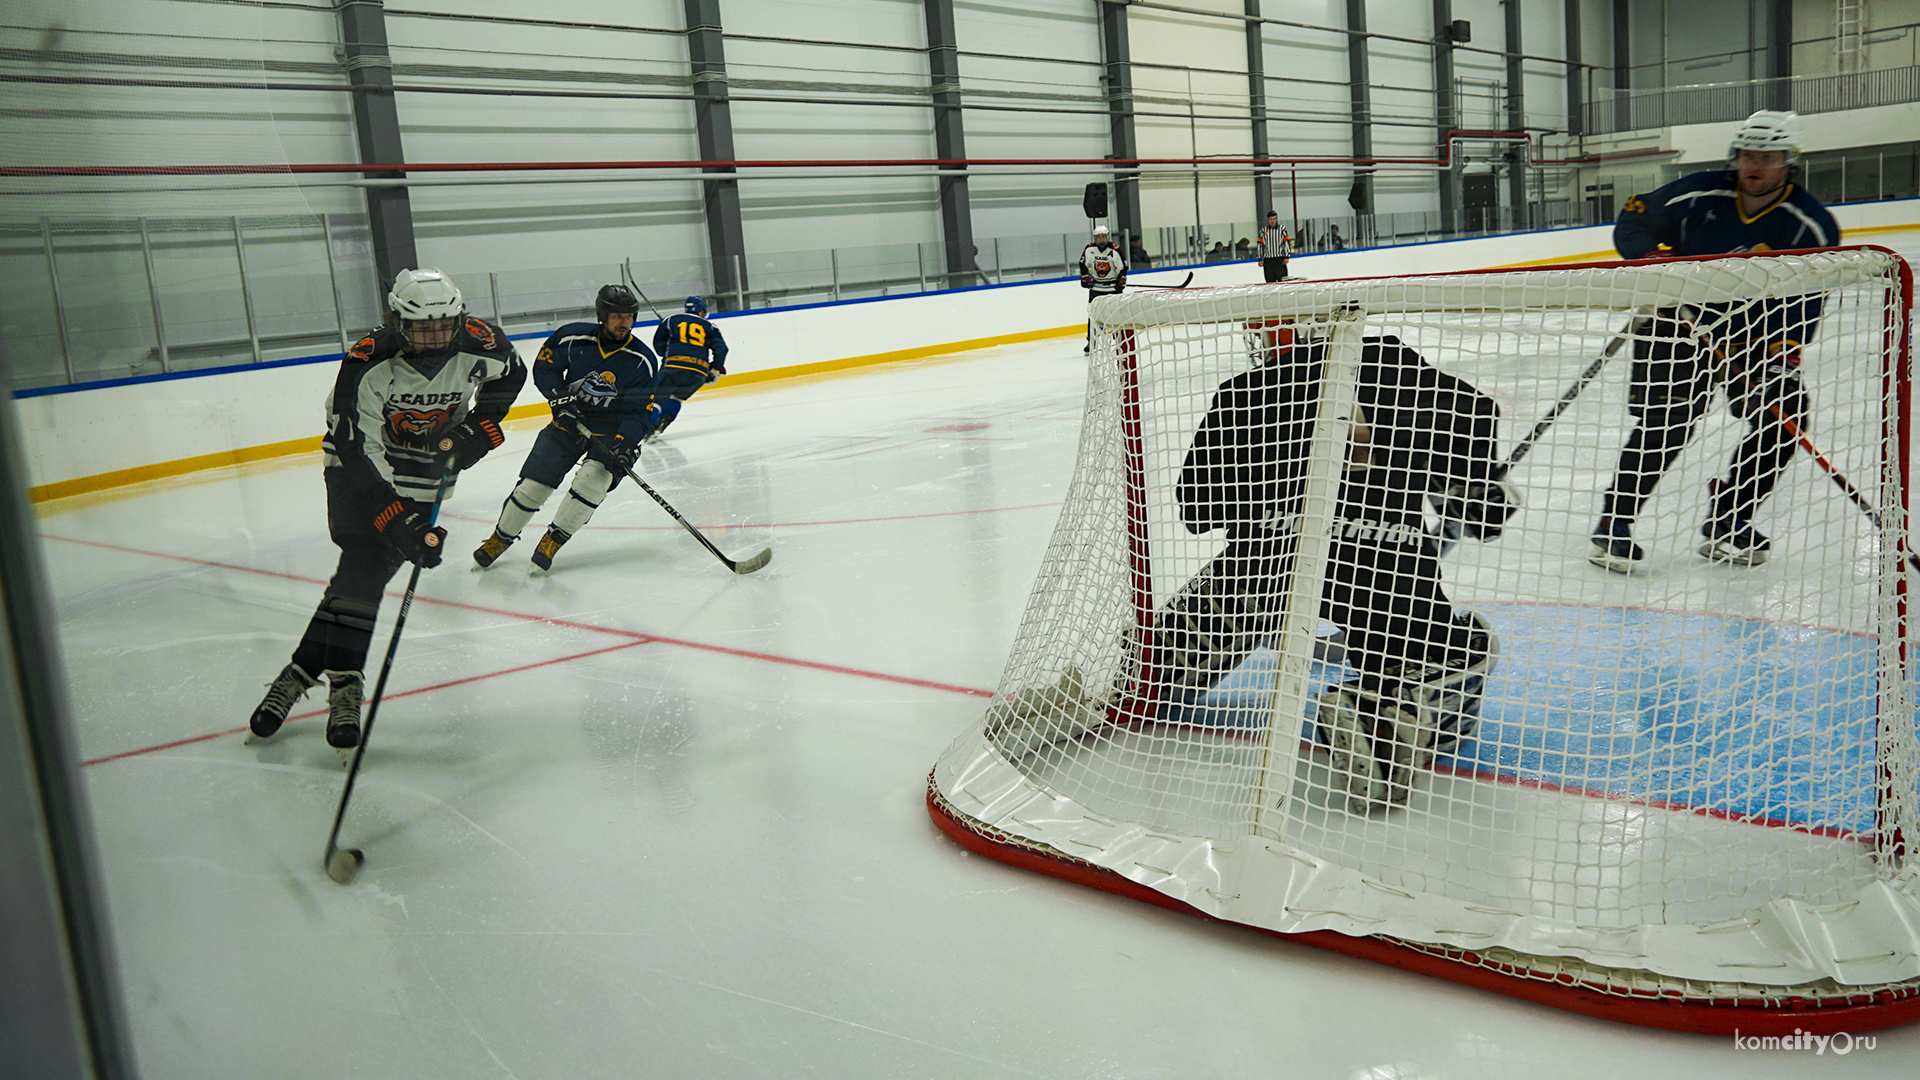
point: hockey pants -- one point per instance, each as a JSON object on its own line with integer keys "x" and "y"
{"x": 1672, "y": 383}
{"x": 340, "y": 633}
{"x": 1388, "y": 602}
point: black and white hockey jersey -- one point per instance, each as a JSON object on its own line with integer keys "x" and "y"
{"x": 387, "y": 409}
{"x": 1102, "y": 270}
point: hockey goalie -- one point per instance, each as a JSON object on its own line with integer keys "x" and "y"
{"x": 1421, "y": 441}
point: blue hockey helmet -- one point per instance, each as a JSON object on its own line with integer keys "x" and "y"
{"x": 696, "y": 306}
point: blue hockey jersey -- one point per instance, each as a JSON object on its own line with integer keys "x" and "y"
{"x": 1699, "y": 214}
{"x": 615, "y": 382}
{"x": 689, "y": 346}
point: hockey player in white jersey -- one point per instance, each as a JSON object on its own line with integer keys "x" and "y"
{"x": 415, "y": 402}
{"x": 1103, "y": 272}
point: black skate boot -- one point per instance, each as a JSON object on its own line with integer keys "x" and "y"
{"x": 344, "y": 694}
{"x": 286, "y": 688}
{"x": 549, "y": 546}
{"x": 1736, "y": 545}
{"x": 1614, "y": 549}
{"x": 492, "y": 548}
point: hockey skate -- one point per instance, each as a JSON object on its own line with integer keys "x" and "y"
{"x": 345, "y": 692}
{"x": 286, "y": 688}
{"x": 1614, "y": 549}
{"x": 549, "y": 546}
{"x": 1736, "y": 545}
{"x": 492, "y": 548}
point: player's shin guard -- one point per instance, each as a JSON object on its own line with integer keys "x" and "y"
{"x": 1383, "y": 728}
{"x": 527, "y": 497}
{"x": 590, "y": 487}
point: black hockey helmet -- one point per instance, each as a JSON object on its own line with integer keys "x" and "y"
{"x": 615, "y": 300}
{"x": 696, "y": 306}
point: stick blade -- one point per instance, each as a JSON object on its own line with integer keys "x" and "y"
{"x": 748, "y": 566}
{"x": 344, "y": 863}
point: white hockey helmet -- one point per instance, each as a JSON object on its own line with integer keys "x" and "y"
{"x": 1768, "y": 129}
{"x": 428, "y": 306}
{"x": 1101, "y": 230}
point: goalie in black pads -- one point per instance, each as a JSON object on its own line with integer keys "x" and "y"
{"x": 1419, "y": 435}
{"x": 417, "y": 400}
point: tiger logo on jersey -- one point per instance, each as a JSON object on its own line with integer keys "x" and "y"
{"x": 1102, "y": 267}
{"x": 480, "y": 332}
{"x": 409, "y": 425}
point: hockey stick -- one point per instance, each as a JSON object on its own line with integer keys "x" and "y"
{"x": 626, "y": 271}
{"x": 1592, "y": 372}
{"x": 1854, "y": 494}
{"x": 343, "y": 863}
{"x": 743, "y": 566}
{"x": 1449, "y": 535}
{"x": 1183, "y": 284}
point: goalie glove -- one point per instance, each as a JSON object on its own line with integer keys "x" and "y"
{"x": 411, "y": 533}
{"x": 1479, "y": 509}
{"x": 471, "y": 440}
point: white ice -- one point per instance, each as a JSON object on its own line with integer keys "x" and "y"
{"x": 643, "y": 818}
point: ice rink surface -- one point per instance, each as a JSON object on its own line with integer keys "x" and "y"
{"x": 640, "y": 817}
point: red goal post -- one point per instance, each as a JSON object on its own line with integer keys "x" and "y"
{"x": 1687, "y": 801}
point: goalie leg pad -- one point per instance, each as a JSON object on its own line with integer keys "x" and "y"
{"x": 1383, "y": 727}
{"x": 1035, "y": 717}
{"x": 1209, "y": 627}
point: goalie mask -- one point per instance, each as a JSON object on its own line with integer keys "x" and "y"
{"x": 428, "y": 309}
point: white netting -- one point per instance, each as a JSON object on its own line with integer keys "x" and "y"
{"x": 1256, "y": 675}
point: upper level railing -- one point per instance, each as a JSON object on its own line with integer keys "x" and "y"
{"x": 1721, "y": 102}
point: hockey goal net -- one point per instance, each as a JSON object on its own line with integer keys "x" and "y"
{"x": 1680, "y": 797}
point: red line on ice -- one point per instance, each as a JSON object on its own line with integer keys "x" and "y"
{"x": 634, "y": 637}
{"x": 404, "y": 693}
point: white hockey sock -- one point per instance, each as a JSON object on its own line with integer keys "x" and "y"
{"x": 590, "y": 486}
{"x": 527, "y": 497}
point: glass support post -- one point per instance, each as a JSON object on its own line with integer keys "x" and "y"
{"x": 246, "y": 289}
{"x": 333, "y": 281}
{"x": 59, "y": 306}
{"x": 153, "y": 296}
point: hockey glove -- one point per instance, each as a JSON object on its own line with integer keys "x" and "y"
{"x": 472, "y": 440}
{"x": 617, "y": 453}
{"x": 566, "y": 412}
{"x": 1086, "y": 282}
{"x": 1772, "y": 381}
{"x": 411, "y": 534}
{"x": 1479, "y": 509}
